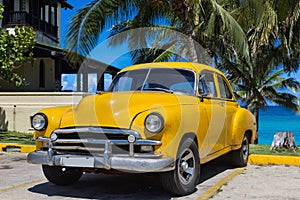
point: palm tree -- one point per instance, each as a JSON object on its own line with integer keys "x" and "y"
{"x": 259, "y": 85}
{"x": 272, "y": 29}
{"x": 269, "y": 23}
{"x": 205, "y": 21}
{"x": 255, "y": 42}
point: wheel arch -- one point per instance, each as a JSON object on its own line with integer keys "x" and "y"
{"x": 249, "y": 135}
{"x": 186, "y": 136}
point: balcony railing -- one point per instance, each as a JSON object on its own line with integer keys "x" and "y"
{"x": 24, "y": 18}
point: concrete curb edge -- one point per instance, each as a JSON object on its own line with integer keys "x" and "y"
{"x": 256, "y": 159}
{"x": 213, "y": 190}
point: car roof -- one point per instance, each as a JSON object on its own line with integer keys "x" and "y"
{"x": 197, "y": 67}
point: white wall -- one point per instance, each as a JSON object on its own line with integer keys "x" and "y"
{"x": 59, "y": 23}
{"x": 16, "y": 108}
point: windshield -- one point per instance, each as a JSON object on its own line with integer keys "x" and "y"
{"x": 155, "y": 79}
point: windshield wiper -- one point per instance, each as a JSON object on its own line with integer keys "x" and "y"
{"x": 160, "y": 89}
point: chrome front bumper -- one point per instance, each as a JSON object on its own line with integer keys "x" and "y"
{"x": 129, "y": 164}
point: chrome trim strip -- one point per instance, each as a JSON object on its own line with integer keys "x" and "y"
{"x": 93, "y": 141}
{"x": 98, "y": 130}
{"x": 147, "y": 142}
{"x": 72, "y": 148}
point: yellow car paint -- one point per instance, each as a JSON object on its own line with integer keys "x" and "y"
{"x": 217, "y": 125}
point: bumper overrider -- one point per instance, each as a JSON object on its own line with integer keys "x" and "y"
{"x": 67, "y": 152}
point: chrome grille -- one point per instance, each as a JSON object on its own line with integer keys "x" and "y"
{"x": 92, "y": 140}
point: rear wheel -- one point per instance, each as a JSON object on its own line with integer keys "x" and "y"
{"x": 240, "y": 156}
{"x": 184, "y": 178}
{"x": 62, "y": 175}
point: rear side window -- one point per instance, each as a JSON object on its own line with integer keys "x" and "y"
{"x": 224, "y": 89}
{"x": 207, "y": 85}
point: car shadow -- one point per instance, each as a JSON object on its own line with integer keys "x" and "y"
{"x": 103, "y": 186}
{"x": 129, "y": 186}
{"x": 215, "y": 167}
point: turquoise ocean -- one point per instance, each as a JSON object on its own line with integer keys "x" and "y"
{"x": 276, "y": 118}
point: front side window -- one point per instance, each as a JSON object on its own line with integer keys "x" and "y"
{"x": 155, "y": 79}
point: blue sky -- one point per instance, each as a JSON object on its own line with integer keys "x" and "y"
{"x": 67, "y": 14}
{"x": 110, "y": 55}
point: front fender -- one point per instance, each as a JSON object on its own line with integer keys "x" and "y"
{"x": 54, "y": 116}
{"x": 179, "y": 120}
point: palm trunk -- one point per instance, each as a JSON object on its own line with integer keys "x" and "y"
{"x": 181, "y": 10}
{"x": 256, "y": 115}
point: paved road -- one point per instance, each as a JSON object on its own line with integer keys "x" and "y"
{"x": 20, "y": 180}
{"x": 263, "y": 182}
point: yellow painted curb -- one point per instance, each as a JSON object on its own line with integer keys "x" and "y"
{"x": 273, "y": 160}
{"x": 24, "y": 148}
{"x": 214, "y": 189}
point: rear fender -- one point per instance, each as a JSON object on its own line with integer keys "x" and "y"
{"x": 243, "y": 122}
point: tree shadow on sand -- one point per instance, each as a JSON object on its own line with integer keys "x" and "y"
{"x": 3, "y": 120}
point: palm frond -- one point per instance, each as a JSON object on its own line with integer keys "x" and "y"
{"x": 294, "y": 19}
{"x": 85, "y": 27}
{"x": 167, "y": 54}
{"x": 274, "y": 77}
{"x": 287, "y": 100}
{"x": 234, "y": 28}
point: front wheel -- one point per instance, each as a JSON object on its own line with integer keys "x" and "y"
{"x": 62, "y": 175}
{"x": 184, "y": 178}
{"x": 240, "y": 156}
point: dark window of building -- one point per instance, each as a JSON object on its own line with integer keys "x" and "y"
{"x": 9, "y": 5}
{"x": 22, "y": 5}
{"x": 42, "y": 74}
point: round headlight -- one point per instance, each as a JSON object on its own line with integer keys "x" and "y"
{"x": 39, "y": 121}
{"x": 154, "y": 123}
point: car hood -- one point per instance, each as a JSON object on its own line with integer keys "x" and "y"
{"x": 119, "y": 109}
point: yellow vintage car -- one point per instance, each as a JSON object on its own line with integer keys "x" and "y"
{"x": 167, "y": 118}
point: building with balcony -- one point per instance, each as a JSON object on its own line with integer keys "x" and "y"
{"x": 46, "y": 74}
{"x": 45, "y": 18}
{"x": 45, "y": 79}
{"x": 43, "y": 15}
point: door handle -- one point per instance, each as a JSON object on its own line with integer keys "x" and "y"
{"x": 221, "y": 104}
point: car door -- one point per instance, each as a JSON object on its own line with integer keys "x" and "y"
{"x": 215, "y": 111}
{"x": 230, "y": 105}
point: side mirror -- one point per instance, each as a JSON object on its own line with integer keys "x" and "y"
{"x": 201, "y": 97}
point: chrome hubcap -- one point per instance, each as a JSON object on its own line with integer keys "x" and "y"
{"x": 245, "y": 149}
{"x": 186, "y": 167}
